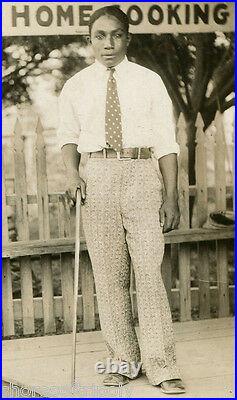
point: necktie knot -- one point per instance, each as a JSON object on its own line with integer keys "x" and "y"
{"x": 111, "y": 73}
{"x": 111, "y": 70}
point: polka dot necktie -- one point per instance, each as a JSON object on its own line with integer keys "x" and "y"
{"x": 113, "y": 125}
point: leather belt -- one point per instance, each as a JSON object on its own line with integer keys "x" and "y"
{"x": 123, "y": 155}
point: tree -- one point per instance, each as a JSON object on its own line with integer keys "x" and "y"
{"x": 198, "y": 72}
{"x": 26, "y": 58}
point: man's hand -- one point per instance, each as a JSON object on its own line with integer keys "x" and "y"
{"x": 169, "y": 214}
{"x": 74, "y": 183}
{"x": 169, "y": 211}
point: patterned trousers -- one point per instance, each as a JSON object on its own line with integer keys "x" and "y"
{"x": 121, "y": 224}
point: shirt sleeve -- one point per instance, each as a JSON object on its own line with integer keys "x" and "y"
{"x": 69, "y": 127}
{"x": 163, "y": 121}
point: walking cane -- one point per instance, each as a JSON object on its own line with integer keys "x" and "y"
{"x": 76, "y": 276}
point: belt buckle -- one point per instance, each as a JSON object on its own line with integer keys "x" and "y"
{"x": 122, "y": 158}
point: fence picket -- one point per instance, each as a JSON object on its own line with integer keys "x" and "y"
{"x": 44, "y": 230}
{"x": 7, "y": 298}
{"x": 23, "y": 230}
{"x": 201, "y": 173}
{"x": 221, "y": 246}
{"x": 87, "y": 290}
{"x": 64, "y": 217}
{"x": 184, "y": 249}
{"x": 202, "y": 213}
{"x": 66, "y": 265}
{"x": 219, "y": 160}
{"x": 4, "y": 206}
{"x": 183, "y": 181}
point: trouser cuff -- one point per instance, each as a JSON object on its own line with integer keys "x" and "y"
{"x": 163, "y": 374}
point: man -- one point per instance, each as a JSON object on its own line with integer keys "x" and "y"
{"x": 119, "y": 114}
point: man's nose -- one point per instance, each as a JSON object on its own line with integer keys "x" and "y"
{"x": 109, "y": 43}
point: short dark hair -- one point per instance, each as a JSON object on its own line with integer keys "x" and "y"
{"x": 111, "y": 11}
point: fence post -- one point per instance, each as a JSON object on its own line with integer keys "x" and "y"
{"x": 23, "y": 231}
{"x": 184, "y": 249}
{"x": 7, "y": 298}
{"x": 202, "y": 213}
{"x": 221, "y": 246}
{"x": 44, "y": 230}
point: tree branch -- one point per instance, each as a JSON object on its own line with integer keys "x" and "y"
{"x": 183, "y": 71}
{"x": 203, "y": 72}
{"x": 220, "y": 93}
{"x": 226, "y": 60}
{"x": 227, "y": 104}
{"x": 198, "y": 67}
{"x": 222, "y": 73}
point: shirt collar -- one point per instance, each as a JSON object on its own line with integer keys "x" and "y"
{"x": 119, "y": 68}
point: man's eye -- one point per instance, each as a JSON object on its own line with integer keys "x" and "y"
{"x": 118, "y": 35}
{"x": 99, "y": 37}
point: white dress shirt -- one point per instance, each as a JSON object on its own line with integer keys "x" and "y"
{"x": 146, "y": 109}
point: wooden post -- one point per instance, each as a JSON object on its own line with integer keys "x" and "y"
{"x": 23, "y": 231}
{"x": 7, "y": 298}
{"x": 221, "y": 246}
{"x": 44, "y": 230}
{"x": 66, "y": 265}
{"x": 202, "y": 214}
{"x": 184, "y": 249}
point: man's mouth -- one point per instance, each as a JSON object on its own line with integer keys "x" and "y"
{"x": 108, "y": 55}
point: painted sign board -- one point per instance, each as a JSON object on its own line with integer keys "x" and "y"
{"x": 58, "y": 18}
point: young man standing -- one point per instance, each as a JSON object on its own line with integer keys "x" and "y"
{"x": 120, "y": 115}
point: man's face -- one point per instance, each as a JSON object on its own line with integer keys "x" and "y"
{"x": 109, "y": 40}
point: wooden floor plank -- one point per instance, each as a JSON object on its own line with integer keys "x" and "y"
{"x": 10, "y": 352}
{"x": 185, "y": 331}
{"x": 222, "y": 350}
{"x": 205, "y": 357}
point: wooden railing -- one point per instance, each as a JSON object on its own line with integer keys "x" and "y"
{"x": 47, "y": 249}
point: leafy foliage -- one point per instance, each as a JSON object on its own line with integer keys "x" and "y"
{"x": 197, "y": 69}
{"x": 26, "y": 58}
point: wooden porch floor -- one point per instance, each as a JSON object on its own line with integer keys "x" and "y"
{"x": 205, "y": 352}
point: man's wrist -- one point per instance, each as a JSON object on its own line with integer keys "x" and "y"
{"x": 172, "y": 195}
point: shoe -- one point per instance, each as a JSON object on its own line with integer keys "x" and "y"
{"x": 172, "y": 386}
{"x": 115, "y": 379}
